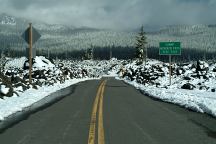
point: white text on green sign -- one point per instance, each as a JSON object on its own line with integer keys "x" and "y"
{"x": 170, "y": 48}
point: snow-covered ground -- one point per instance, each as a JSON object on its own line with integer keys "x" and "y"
{"x": 17, "y": 94}
{"x": 193, "y": 84}
{"x": 200, "y": 101}
{"x": 11, "y": 105}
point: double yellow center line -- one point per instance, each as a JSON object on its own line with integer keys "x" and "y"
{"x": 97, "y": 107}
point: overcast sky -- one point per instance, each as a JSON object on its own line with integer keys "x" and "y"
{"x": 115, "y": 14}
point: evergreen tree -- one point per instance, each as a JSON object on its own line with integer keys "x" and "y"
{"x": 88, "y": 54}
{"x": 91, "y": 52}
{"x": 141, "y": 48}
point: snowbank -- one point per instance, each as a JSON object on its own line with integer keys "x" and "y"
{"x": 11, "y": 105}
{"x": 199, "y": 101}
{"x": 193, "y": 85}
{"x": 47, "y": 78}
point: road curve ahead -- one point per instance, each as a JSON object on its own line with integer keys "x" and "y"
{"x": 108, "y": 111}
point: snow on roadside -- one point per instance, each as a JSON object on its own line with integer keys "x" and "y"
{"x": 153, "y": 80}
{"x": 10, "y": 105}
{"x": 199, "y": 101}
{"x": 48, "y": 78}
{"x": 17, "y": 94}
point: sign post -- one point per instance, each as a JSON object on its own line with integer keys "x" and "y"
{"x": 30, "y": 36}
{"x": 170, "y": 48}
{"x": 30, "y": 53}
{"x": 170, "y": 69}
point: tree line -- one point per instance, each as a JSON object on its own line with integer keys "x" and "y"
{"x": 141, "y": 51}
{"x": 105, "y": 53}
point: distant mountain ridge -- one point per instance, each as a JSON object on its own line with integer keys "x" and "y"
{"x": 7, "y": 20}
{"x": 21, "y": 23}
{"x": 61, "y": 38}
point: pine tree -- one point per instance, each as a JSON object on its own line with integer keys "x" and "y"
{"x": 141, "y": 49}
{"x": 88, "y": 55}
{"x": 85, "y": 57}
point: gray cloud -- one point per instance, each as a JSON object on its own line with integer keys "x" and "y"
{"x": 116, "y": 14}
{"x": 194, "y": 1}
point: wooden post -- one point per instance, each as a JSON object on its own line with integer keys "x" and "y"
{"x": 30, "y": 53}
{"x": 170, "y": 69}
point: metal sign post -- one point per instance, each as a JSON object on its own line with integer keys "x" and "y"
{"x": 170, "y": 69}
{"x": 170, "y": 48}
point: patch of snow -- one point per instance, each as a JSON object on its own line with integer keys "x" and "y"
{"x": 4, "y": 90}
{"x": 15, "y": 63}
{"x": 41, "y": 63}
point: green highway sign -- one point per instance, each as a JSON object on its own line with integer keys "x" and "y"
{"x": 170, "y": 48}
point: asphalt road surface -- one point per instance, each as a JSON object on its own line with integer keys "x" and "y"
{"x": 109, "y": 111}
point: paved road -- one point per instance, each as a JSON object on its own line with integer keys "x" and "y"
{"x": 111, "y": 112}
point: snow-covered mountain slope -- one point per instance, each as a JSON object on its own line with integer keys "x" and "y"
{"x": 9, "y": 23}
{"x": 60, "y": 38}
{"x": 181, "y": 30}
{"x": 7, "y": 20}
